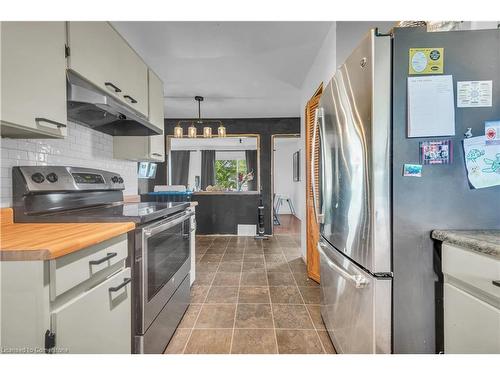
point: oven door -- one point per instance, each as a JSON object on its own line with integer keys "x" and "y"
{"x": 165, "y": 263}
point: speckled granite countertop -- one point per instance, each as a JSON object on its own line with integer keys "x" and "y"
{"x": 481, "y": 241}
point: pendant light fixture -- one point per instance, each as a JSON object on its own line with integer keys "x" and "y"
{"x": 192, "y": 131}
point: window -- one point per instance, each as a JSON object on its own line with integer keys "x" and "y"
{"x": 230, "y": 169}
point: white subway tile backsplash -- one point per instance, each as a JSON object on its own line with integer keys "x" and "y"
{"x": 83, "y": 147}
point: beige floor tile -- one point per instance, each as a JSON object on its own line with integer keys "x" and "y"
{"x": 207, "y": 267}
{"x": 254, "y": 341}
{"x": 232, "y": 257}
{"x": 302, "y": 280}
{"x": 222, "y": 294}
{"x": 254, "y": 316}
{"x": 285, "y": 294}
{"x": 178, "y": 341}
{"x": 277, "y": 267}
{"x": 190, "y": 316}
{"x": 253, "y": 266}
{"x": 199, "y": 293}
{"x": 291, "y": 317}
{"x": 209, "y": 341}
{"x": 298, "y": 265}
{"x": 235, "y": 250}
{"x": 227, "y": 279}
{"x": 204, "y": 278}
{"x": 311, "y": 295}
{"x": 216, "y": 316}
{"x": 327, "y": 343}
{"x": 298, "y": 342}
{"x": 230, "y": 266}
{"x": 211, "y": 258}
{"x": 315, "y": 313}
{"x": 253, "y": 257}
{"x": 280, "y": 278}
{"x": 253, "y": 294}
{"x": 257, "y": 278}
{"x": 275, "y": 258}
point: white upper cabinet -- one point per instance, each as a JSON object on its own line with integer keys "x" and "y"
{"x": 33, "y": 80}
{"x": 100, "y": 55}
{"x": 151, "y": 148}
{"x": 156, "y": 116}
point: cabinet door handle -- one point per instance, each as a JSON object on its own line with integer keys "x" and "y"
{"x": 117, "y": 288}
{"x": 114, "y": 87}
{"x": 496, "y": 282}
{"x": 58, "y": 124}
{"x": 128, "y": 97}
{"x": 156, "y": 154}
{"x": 99, "y": 261}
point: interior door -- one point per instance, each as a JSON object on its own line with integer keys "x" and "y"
{"x": 312, "y": 170}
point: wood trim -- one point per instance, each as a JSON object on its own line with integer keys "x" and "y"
{"x": 312, "y": 227}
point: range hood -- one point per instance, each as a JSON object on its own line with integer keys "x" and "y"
{"x": 91, "y": 106}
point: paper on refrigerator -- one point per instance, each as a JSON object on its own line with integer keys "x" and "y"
{"x": 431, "y": 108}
{"x": 482, "y": 162}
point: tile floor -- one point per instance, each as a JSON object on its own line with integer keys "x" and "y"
{"x": 251, "y": 297}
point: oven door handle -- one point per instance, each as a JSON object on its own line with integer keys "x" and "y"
{"x": 165, "y": 224}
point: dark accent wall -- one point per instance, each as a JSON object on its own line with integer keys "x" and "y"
{"x": 221, "y": 214}
{"x": 266, "y": 128}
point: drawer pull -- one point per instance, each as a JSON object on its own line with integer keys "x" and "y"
{"x": 52, "y": 122}
{"x": 156, "y": 154}
{"x": 496, "y": 282}
{"x": 117, "y": 288}
{"x": 129, "y": 98}
{"x": 99, "y": 261}
{"x": 109, "y": 84}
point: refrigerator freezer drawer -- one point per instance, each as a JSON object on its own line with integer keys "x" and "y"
{"x": 355, "y": 306}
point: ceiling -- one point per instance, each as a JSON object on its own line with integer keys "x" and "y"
{"x": 243, "y": 69}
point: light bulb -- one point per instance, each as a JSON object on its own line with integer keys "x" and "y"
{"x": 207, "y": 132}
{"x": 178, "y": 132}
{"x": 192, "y": 131}
{"x": 222, "y": 131}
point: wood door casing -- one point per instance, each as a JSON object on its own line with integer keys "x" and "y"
{"x": 312, "y": 227}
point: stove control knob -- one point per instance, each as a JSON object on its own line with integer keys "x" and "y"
{"x": 37, "y": 177}
{"x": 114, "y": 179}
{"x": 120, "y": 180}
{"x": 52, "y": 177}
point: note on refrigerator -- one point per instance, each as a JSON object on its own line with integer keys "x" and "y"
{"x": 482, "y": 162}
{"x": 431, "y": 108}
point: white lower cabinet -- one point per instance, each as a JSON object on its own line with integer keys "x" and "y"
{"x": 78, "y": 303}
{"x": 471, "y": 301}
{"x": 98, "y": 321}
{"x": 471, "y": 325}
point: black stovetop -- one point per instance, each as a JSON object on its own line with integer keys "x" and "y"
{"x": 139, "y": 213}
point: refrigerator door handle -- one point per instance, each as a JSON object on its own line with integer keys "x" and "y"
{"x": 318, "y": 112}
{"x": 359, "y": 280}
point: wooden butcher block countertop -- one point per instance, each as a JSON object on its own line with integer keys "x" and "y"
{"x": 26, "y": 241}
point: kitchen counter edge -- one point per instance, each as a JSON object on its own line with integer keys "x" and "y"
{"x": 485, "y": 242}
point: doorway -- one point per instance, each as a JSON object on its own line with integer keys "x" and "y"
{"x": 286, "y": 191}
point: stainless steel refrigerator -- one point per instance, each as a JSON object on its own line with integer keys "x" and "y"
{"x": 380, "y": 270}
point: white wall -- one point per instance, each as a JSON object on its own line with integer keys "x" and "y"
{"x": 284, "y": 148}
{"x": 194, "y": 167}
{"x": 83, "y": 147}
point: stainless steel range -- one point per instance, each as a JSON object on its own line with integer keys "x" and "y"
{"x": 159, "y": 247}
